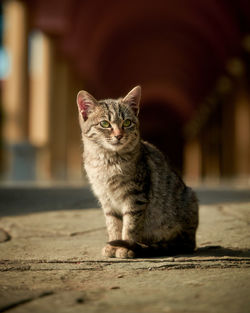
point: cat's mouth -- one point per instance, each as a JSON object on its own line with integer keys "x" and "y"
{"x": 117, "y": 143}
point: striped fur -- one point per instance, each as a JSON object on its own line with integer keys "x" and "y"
{"x": 148, "y": 208}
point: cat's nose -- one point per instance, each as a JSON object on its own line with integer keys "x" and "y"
{"x": 118, "y": 137}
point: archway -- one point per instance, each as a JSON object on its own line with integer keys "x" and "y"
{"x": 162, "y": 126}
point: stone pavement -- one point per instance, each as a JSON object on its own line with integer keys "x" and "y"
{"x": 50, "y": 261}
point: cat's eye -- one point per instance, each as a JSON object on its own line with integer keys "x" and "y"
{"x": 127, "y": 123}
{"x": 105, "y": 124}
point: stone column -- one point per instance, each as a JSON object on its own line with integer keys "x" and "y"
{"x": 242, "y": 134}
{"x": 211, "y": 151}
{"x": 74, "y": 144}
{"x": 192, "y": 160}
{"x": 21, "y": 154}
{"x": 48, "y": 110}
{"x": 236, "y": 135}
{"x": 58, "y": 118}
{"x": 228, "y": 139}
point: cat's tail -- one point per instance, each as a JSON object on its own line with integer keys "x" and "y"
{"x": 163, "y": 248}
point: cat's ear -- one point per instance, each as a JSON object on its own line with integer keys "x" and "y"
{"x": 86, "y": 103}
{"x": 133, "y": 99}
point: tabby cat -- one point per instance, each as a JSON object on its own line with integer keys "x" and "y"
{"x": 149, "y": 211}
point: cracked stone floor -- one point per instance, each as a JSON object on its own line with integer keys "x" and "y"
{"x": 50, "y": 261}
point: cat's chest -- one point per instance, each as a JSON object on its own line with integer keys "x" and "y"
{"x": 109, "y": 176}
{"x": 102, "y": 174}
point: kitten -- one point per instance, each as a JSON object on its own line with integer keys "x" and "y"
{"x": 148, "y": 209}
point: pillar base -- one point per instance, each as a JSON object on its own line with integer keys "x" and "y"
{"x": 22, "y": 162}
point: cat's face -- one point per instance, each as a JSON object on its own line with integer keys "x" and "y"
{"x": 111, "y": 124}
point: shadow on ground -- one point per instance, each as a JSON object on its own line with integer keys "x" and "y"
{"x": 215, "y": 252}
{"x": 218, "y": 251}
{"x": 222, "y": 195}
{"x": 24, "y": 200}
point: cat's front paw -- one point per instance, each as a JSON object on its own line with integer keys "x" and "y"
{"x": 109, "y": 251}
{"x": 124, "y": 253}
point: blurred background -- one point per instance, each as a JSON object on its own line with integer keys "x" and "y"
{"x": 192, "y": 59}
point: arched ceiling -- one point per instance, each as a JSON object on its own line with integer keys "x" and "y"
{"x": 174, "y": 49}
